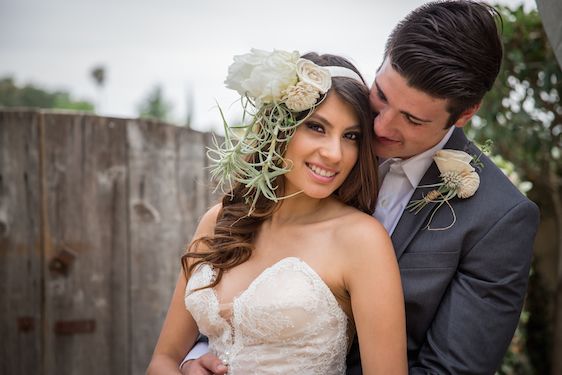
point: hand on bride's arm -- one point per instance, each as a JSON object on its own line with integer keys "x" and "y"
{"x": 179, "y": 330}
{"x": 207, "y": 364}
{"x": 373, "y": 282}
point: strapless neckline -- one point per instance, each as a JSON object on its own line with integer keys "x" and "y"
{"x": 287, "y": 320}
{"x": 265, "y": 272}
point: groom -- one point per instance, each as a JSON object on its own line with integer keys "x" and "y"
{"x": 465, "y": 264}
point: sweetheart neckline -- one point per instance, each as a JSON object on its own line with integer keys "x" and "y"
{"x": 230, "y": 338}
{"x": 253, "y": 284}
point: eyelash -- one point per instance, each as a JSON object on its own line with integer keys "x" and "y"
{"x": 352, "y": 136}
{"x": 413, "y": 122}
{"x": 316, "y": 127}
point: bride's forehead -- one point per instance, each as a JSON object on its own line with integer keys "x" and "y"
{"x": 335, "y": 111}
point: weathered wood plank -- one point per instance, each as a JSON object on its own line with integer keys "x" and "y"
{"x": 66, "y": 193}
{"x": 20, "y": 256}
{"x": 85, "y": 181}
{"x": 168, "y": 193}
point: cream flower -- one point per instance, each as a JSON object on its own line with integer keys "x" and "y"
{"x": 458, "y": 178}
{"x": 458, "y": 175}
{"x": 314, "y": 75}
{"x": 301, "y": 96}
{"x": 453, "y": 160}
{"x": 263, "y": 75}
{"x": 469, "y": 185}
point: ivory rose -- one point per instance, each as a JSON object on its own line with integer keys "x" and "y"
{"x": 453, "y": 160}
{"x": 314, "y": 75}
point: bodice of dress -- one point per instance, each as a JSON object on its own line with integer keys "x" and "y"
{"x": 286, "y": 322}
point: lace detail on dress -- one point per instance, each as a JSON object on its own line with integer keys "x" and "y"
{"x": 287, "y": 321}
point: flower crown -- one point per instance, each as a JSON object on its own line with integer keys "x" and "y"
{"x": 278, "y": 91}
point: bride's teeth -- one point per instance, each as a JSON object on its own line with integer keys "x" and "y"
{"x": 321, "y": 172}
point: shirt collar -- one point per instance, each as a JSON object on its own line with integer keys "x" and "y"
{"x": 415, "y": 167}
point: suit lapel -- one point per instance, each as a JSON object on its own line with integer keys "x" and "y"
{"x": 410, "y": 223}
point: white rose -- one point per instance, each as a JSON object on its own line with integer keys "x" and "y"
{"x": 314, "y": 75}
{"x": 263, "y": 75}
{"x": 241, "y": 69}
{"x": 301, "y": 96}
{"x": 453, "y": 160}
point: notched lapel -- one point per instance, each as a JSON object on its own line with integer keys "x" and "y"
{"x": 410, "y": 223}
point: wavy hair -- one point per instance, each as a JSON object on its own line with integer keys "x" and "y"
{"x": 232, "y": 242}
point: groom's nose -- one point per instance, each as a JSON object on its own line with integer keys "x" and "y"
{"x": 383, "y": 123}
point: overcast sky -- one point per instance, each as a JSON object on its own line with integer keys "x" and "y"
{"x": 183, "y": 45}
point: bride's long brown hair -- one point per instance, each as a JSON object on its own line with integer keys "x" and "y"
{"x": 232, "y": 242}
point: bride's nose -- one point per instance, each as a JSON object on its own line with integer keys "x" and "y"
{"x": 331, "y": 150}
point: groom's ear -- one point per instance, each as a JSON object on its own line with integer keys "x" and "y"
{"x": 467, "y": 115}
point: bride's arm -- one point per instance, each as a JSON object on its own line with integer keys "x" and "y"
{"x": 179, "y": 331}
{"x": 373, "y": 282}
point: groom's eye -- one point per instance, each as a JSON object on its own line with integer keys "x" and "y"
{"x": 411, "y": 121}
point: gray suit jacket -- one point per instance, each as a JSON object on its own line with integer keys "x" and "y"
{"x": 464, "y": 286}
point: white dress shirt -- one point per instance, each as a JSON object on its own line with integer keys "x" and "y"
{"x": 400, "y": 177}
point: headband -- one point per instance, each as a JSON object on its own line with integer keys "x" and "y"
{"x": 341, "y": 71}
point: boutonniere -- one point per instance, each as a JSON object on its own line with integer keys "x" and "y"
{"x": 458, "y": 179}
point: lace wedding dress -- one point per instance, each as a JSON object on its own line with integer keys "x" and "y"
{"x": 286, "y": 322}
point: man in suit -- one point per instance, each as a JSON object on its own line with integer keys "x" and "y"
{"x": 465, "y": 264}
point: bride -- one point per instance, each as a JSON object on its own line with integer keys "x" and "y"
{"x": 291, "y": 265}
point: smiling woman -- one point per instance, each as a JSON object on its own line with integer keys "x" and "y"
{"x": 280, "y": 274}
{"x": 323, "y": 150}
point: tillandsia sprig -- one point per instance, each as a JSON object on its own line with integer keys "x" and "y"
{"x": 458, "y": 179}
{"x": 278, "y": 92}
{"x": 486, "y": 149}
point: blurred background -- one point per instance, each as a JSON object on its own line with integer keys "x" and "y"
{"x": 106, "y": 108}
{"x": 120, "y": 56}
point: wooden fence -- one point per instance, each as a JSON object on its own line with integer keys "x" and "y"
{"x": 94, "y": 213}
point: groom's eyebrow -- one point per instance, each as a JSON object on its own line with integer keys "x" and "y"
{"x": 405, "y": 113}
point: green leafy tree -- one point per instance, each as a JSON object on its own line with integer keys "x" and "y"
{"x": 12, "y": 95}
{"x": 523, "y": 115}
{"x": 155, "y": 106}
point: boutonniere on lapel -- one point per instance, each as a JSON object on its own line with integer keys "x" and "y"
{"x": 458, "y": 179}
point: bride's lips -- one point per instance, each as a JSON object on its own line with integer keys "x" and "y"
{"x": 321, "y": 174}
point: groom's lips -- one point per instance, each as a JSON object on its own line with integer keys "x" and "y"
{"x": 387, "y": 141}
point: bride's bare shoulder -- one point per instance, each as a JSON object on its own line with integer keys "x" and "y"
{"x": 354, "y": 221}
{"x": 361, "y": 234}
{"x": 208, "y": 221}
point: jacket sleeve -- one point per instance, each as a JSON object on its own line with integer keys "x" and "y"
{"x": 480, "y": 310}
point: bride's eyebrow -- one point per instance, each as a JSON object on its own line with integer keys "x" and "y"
{"x": 326, "y": 122}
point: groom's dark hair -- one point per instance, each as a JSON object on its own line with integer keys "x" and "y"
{"x": 450, "y": 50}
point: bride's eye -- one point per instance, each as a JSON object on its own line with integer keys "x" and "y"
{"x": 315, "y": 127}
{"x": 353, "y": 136}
